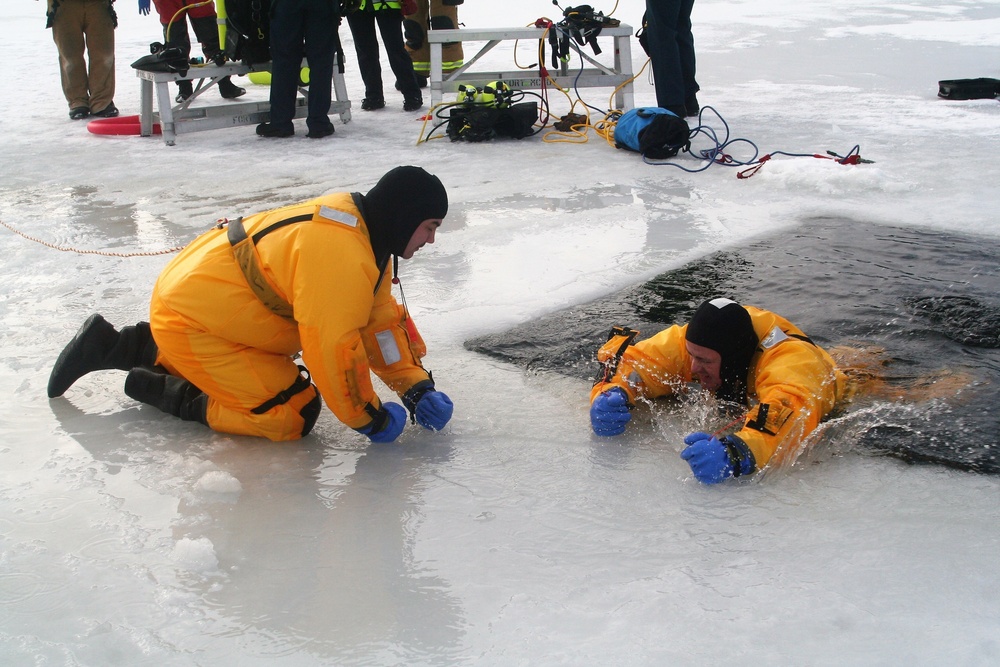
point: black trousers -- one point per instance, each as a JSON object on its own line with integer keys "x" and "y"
{"x": 671, "y": 48}
{"x": 302, "y": 28}
{"x": 206, "y": 30}
{"x": 390, "y": 26}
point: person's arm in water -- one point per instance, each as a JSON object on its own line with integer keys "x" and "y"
{"x": 796, "y": 384}
{"x": 395, "y": 348}
{"x": 650, "y": 368}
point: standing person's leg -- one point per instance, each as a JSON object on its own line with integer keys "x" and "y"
{"x": 362, "y": 24}
{"x": 444, "y": 16}
{"x": 685, "y": 45}
{"x": 99, "y": 30}
{"x": 415, "y": 39}
{"x": 205, "y": 23}
{"x": 67, "y": 33}
{"x": 390, "y": 26}
{"x": 321, "y": 40}
{"x": 175, "y": 33}
{"x": 662, "y": 17}
{"x": 288, "y": 20}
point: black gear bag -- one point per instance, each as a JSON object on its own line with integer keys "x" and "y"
{"x": 163, "y": 58}
{"x": 477, "y": 123}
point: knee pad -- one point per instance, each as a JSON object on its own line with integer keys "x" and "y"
{"x": 442, "y": 23}
{"x": 413, "y": 34}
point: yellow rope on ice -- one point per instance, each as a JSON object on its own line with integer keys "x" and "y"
{"x": 105, "y": 253}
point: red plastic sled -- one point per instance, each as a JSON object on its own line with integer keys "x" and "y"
{"x": 122, "y": 125}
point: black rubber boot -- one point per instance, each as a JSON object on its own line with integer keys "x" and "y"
{"x": 97, "y": 346}
{"x": 185, "y": 89}
{"x": 171, "y": 394}
{"x": 230, "y": 90}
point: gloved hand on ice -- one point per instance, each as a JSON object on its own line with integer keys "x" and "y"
{"x": 609, "y": 413}
{"x": 713, "y": 460}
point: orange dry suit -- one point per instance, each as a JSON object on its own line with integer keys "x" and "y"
{"x": 792, "y": 383}
{"x": 234, "y": 308}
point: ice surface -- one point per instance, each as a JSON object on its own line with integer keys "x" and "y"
{"x": 515, "y": 536}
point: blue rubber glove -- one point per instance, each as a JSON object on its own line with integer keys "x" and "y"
{"x": 609, "y": 413}
{"x": 144, "y": 7}
{"x": 434, "y": 410}
{"x": 388, "y": 425}
{"x": 428, "y": 407}
{"x": 713, "y": 460}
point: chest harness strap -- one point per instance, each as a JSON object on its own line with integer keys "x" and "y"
{"x": 246, "y": 257}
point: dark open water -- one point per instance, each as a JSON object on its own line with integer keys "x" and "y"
{"x": 930, "y": 299}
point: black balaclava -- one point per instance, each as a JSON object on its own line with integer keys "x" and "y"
{"x": 402, "y": 199}
{"x": 725, "y": 326}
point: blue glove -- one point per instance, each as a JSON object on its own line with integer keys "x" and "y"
{"x": 387, "y": 426}
{"x": 713, "y": 460}
{"x": 609, "y": 413}
{"x": 144, "y": 7}
{"x": 433, "y": 410}
{"x": 428, "y": 407}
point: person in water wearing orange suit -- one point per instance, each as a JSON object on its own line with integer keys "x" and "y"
{"x": 743, "y": 355}
{"x": 230, "y": 314}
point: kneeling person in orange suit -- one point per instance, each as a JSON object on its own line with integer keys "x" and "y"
{"x": 743, "y": 355}
{"x": 233, "y": 310}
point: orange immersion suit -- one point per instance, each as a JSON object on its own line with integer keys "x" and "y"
{"x": 232, "y": 318}
{"x": 792, "y": 383}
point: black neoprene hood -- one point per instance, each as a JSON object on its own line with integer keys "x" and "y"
{"x": 725, "y": 326}
{"x": 402, "y": 199}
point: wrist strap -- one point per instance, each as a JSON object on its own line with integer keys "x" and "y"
{"x": 738, "y": 452}
{"x": 734, "y": 458}
{"x": 380, "y": 417}
{"x": 413, "y": 396}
